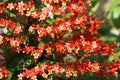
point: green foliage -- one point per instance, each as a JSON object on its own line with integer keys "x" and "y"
{"x": 115, "y": 8}
{"x": 18, "y": 61}
{"x": 116, "y": 56}
{"x": 68, "y": 15}
{"x": 38, "y": 5}
{"x": 9, "y": 32}
{"x": 112, "y": 16}
{"x": 50, "y": 20}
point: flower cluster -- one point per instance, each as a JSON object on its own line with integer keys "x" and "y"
{"x": 47, "y": 70}
{"x": 48, "y": 31}
{"x": 2, "y": 7}
{"x": 114, "y": 68}
{"x": 11, "y": 25}
{"x": 28, "y": 9}
{"x": 3, "y": 73}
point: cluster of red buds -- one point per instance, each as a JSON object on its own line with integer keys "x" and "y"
{"x": 3, "y": 72}
{"x": 47, "y": 70}
{"x": 73, "y": 32}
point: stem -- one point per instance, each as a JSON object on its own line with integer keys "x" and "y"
{"x": 10, "y": 76}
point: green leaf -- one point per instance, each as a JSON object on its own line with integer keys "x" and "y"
{"x": 50, "y": 21}
{"x": 11, "y": 0}
{"x": 68, "y": 15}
{"x": 41, "y": 43}
{"x": 10, "y": 32}
{"x": 27, "y": 39}
{"x": 94, "y": 8}
{"x": 108, "y": 38}
{"x": 115, "y": 57}
{"x": 33, "y": 32}
{"x": 15, "y": 61}
{"x": 51, "y": 77}
{"x": 68, "y": 36}
{"x": 111, "y": 58}
{"x": 115, "y": 4}
{"x": 1, "y": 3}
{"x": 24, "y": 61}
{"x": 12, "y": 15}
{"x": 115, "y": 8}
{"x": 116, "y": 12}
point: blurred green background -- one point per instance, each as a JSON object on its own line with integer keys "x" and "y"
{"x": 109, "y": 10}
